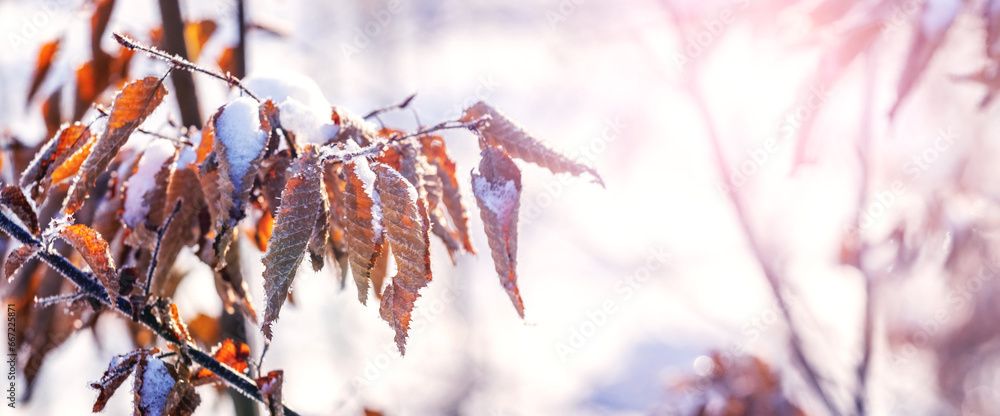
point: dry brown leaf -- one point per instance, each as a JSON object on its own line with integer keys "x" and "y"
{"x": 406, "y": 229}
{"x": 51, "y": 112}
{"x": 269, "y": 112}
{"x": 434, "y": 150}
{"x": 270, "y": 390}
{"x": 232, "y": 355}
{"x": 88, "y": 85}
{"x": 232, "y": 288}
{"x": 204, "y": 329}
{"x": 334, "y": 187}
{"x": 48, "y": 327}
{"x": 132, "y": 105}
{"x": 519, "y": 143}
{"x": 182, "y": 231}
{"x": 336, "y": 242}
{"x": 69, "y": 140}
{"x": 238, "y": 150}
{"x": 150, "y": 386}
{"x": 272, "y": 180}
{"x": 152, "y": 208}
{"x": 413, "y": 165}
{"x": 171, "y": 317}
{"x": 44, "y": 63}
{"x": 71, "y": 166}
{"x": 380, "y": 270}
{"x": 353, "y": 127}
{"x": 297, "y": 218}
{"x": 362, "y": 222}
{"x": 16, "y": 259}
{"x": 12, "y": 198}
{"x": 207, "y": 142}
{"x": 497, "y": 187}
{"x": 118, "y": 371}
{"x": 208, "y": 178}
{"x": 227, "y": 60}
{"x": 182, "y": 400}
{"x": 263, "y": 231}
{"x": 95, "y": 252}
{"x": 196, "y": 34}
{"x": 320, "y": 236}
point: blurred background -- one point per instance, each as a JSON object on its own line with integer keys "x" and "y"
{"x": 799, "y": 215}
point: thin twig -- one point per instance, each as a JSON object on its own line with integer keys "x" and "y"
{"x": 51, "y": 300}
{"x": 181, "y": 63}
{"x": 332, "y": 153}
{"x": 864, "y": 157}
{"x": 156, "y": 250}
{"x": 773, "y": 278}
{"x": 175, "y": 140}
{"x": 94, "y": 289}
{"x": 398, "y": 106}
{"x": 474, "y": 126}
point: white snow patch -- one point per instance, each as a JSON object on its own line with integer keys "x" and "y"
{"x": 156, "y": 383}
{"x": 238, "y": 128}
{"x": 938, "y": 15}
{"x": 303, "y": 109}
{"x": 187, "y": 154}
{"x": 367, "y": 177}
{"x": 499, "y": 198}
{"x": 307, "y": 125}
{"x": 144, "y": 180}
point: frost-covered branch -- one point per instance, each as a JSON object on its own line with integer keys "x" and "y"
{"x": 94, "y": 289}
{"x": 177, "y": 140}
{"x": 181, "y": 63}
{"x": 398, "y": 106}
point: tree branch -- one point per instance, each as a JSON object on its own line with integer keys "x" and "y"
{"x": 173, "y": 42}
{"x": 241, "y": 44}
{"x": 184, "y": 64}
{"x": 773, "y": 278}
{"x": 96, "y": 290}
{"x": 398, "y": 106}
{"x": 864, "y": 157}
